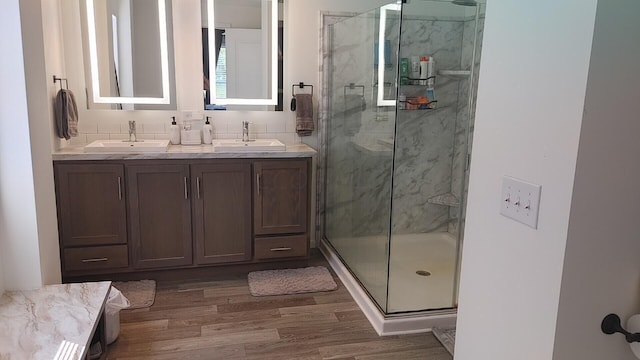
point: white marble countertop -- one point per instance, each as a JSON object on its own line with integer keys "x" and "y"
{"x": 38, "y": 324}
{"x": 182, "y": 152}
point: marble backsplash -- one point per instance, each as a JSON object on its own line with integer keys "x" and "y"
{"x": 151, "y": 125}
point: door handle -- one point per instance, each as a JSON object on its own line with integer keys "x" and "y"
{"x": 198, "y": 186}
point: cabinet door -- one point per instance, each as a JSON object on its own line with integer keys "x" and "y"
{"x": 91, "y": 205}
{"x": 222, "y": 212}
{"x": 280, "y": 197}
{"x": 159, "y": 215}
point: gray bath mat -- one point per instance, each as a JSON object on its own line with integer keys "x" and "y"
{"x": 291, "y": 281}
{"x": 141, "y": 294}
{"x": 447, "y": 337}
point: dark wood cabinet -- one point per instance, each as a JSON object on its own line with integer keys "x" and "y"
{"x": 92, "y": 217}
{"x": 281, "y": 209}
{"x": 280, "y": 197}
{"x": 137, "y": 215}
{"x": 91, "y": 205}
{"x": 159, "y": 215}
{"x": 222, "y": 211}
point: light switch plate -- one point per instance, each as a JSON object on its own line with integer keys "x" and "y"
{"x": 520, "y": 201}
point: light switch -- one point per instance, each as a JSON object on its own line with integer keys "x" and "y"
{"x": 520, "y": 201}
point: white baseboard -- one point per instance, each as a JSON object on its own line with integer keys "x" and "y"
{"x": 396, "y": 325}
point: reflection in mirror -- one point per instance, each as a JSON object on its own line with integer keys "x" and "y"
{"x": 384, "y": 52}
{"x": 128, "y": 52}
{"x": 242, "y": 55}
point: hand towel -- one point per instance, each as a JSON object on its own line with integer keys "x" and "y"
{"x": 304, "y": 114}
{"x": 66, "y": 114}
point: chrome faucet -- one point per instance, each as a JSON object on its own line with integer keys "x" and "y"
{"x": 245, "y": 131}
{"x": 132, "y": 131}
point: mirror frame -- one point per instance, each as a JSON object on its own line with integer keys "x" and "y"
{"x": 93, "y": 57}
{"x": 274, "y": 60}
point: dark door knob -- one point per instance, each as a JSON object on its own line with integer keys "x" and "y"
{"x": 611, "y": 325}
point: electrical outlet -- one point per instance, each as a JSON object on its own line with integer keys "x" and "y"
{"x": 192, "y": 115}
{"x": 520, "y": 201}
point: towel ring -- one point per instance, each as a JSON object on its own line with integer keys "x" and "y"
{"x": 301, "y": 85}
{"x": 56, "y": 79}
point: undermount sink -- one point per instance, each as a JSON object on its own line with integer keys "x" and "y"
{"x": 235, "y": 145}
{"x": 127, "y": 146}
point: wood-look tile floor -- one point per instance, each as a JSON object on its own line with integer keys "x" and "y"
{"x": 219, "y": 319}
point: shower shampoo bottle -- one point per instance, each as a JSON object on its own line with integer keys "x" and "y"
{"x": 424, "y": 70}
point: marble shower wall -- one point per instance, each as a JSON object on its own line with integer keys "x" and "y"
{"x": 430, "y": 145}
{"x": 425, "y": 138}
{"x": 357, "y": 171}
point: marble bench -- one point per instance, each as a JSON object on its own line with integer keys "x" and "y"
{"x": 53, "y": 322}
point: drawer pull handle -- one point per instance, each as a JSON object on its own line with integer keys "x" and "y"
{"x": 94, "y": 260}
{"x": 119, "y": 188}
{"x": 258, "y": 183}
{"x": 282, "y": 249}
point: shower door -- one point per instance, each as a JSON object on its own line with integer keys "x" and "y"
{"x": 431, "y": 155}
{"x": 359, "y": 139}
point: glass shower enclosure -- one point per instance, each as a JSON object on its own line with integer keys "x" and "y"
{"x": 401, "y": 93}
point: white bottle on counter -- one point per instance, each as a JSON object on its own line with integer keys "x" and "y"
{"x": 207, "y": 132}
{"x": 174, "y": 132}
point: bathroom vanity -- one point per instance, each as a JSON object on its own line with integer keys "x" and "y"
{"x": 188, "y": 207}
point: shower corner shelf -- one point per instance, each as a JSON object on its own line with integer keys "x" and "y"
{"x": 444, "y": 199}
{"x": 455, "y": 74}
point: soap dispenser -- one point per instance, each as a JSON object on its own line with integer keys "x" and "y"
{"x": 207, "y": 132}
{"x": 174, "y": 132}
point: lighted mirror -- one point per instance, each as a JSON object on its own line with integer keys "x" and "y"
{"x": 242, "y": 55}
{"x": 128, "y": 51}
{"x": 386, "y": 90}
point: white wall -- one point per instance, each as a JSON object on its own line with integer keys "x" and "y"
{"x": 1, "y": 277}
{"x": 533, "y": 75}
{"x": 18, "y": 222}
{"x": 602, "y": 262}
{"x": 41, "y": 92}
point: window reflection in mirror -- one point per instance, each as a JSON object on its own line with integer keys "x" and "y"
{"x": 130, "y": 47}
{"x": 242, "y": 70}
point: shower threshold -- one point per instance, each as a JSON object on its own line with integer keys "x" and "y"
{"x": 391, "y": 324}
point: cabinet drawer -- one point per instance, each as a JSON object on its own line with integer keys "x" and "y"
{"x": 96, "y": 258}
{"x": 280, "y": 247}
